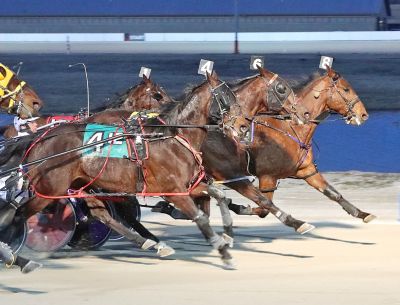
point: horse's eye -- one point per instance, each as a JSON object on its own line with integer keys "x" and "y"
{"x": 346, "y": 89}
{"x": 157, "y": 96}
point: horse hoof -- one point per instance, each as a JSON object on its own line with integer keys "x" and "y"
{"x": 369, "y": 218}
{"x": 163, "y": 250}
{"x": 263, "y": 214}
{"x": 229, "y": 240}
{"x": 228, "y": 264}
{"x": 304, "y": 228}
{"x": 149, "y": 243}
{"x": 31, "y": 266}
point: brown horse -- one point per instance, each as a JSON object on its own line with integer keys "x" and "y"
{"x": 170, "y": 169}
{"x": 283, "y": 150}
{"x": 221, "y": 156}
{"x": 16, "y": 96}
{"x": 145, "y": 95}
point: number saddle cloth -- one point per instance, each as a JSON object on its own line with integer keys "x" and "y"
{"x": 132, "y": 148}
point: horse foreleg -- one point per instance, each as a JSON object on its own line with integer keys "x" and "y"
{"x": 318, "y": 182}
{"x": 248, "y": 190}
{"x": 223, "y": 202}
{"x": 187, "y": 206}
{"x": 99, "y": 211}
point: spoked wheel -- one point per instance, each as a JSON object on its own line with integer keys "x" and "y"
{"x": 52, "y": 228}
{"x": 125, "y": 213}
{"x": 90, "y": 233}
{"x": 15, "y": 234}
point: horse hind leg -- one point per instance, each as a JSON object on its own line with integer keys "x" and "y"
{"x": 318, "y": 182}
{"x": 125, "y": 213}
{"x": 267, "y": 188}
{"x": 163, "y": 250}
{"x": 99, "y": 211}
{"x": 248, "y": 190}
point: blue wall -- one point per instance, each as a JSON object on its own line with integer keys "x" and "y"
{"x": 188, "y": 7}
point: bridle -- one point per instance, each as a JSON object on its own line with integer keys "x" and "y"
{"x": 150, "y": 94}
{"x": 274, "y": 87}
{"x": 225, "y": 98}
{"x": 335, "y": 88}
{"x": 349, "y": 103}
{"x": 6, "y": 93}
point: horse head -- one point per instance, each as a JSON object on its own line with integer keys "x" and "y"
{"x": 225, "y": 110}
{"x": 16, "y": 96}
{"x": 344, "y": 100}
{"x": 268, "y": 92}
{"x": 145, "y": 96}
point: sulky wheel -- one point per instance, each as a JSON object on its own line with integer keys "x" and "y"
{"x": 52, "y": 228}
{"x": 125, "y": 212}
{"x": 15, "y": 234}
{"x": 90, "y": 233}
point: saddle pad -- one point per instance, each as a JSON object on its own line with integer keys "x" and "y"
{"x": 55, "y": 118}
{"x": 97, "y": 132}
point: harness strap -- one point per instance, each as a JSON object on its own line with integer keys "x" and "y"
{"x": 270, "y": 190}
{"x": 309, "y": 175}
{"x": 250, "y": 178}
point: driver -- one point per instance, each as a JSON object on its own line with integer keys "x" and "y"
{"x": 11, "y": 197}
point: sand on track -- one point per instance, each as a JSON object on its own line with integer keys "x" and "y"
{"x": 342, "y": 261}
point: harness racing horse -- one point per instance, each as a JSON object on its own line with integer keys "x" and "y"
{"x": 172, "y": 168}
{"x": 16, "y": 96}
{"x": 46, "y": 232}
{"x": 145, "y": 95}
{"x": 222, "y": 157}
{"x": 283, "y": 150}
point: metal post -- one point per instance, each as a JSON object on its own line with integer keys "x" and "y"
{"x": 236, "y": 17}
{"x": 87, "y": 85}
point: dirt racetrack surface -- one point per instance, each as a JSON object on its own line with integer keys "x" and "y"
{"x": 343, "y": 261}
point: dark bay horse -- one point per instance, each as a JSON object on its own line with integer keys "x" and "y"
{"x": 146, "y": 94}
{"x": 283, "y": 150}
{"x": 170, "y": 169}
{"x": 222, "y": 157}
{"x": 16, "y": 96}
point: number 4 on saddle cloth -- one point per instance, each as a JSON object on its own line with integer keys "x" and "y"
{"x": 134, "y": 149}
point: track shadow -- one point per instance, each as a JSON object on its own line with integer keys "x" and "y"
{"x": 20, "y": 290}
{"x": 190, "y": 245}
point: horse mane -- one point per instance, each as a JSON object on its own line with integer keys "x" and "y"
{"x": 170, "y": 111}
{"x": 237, "y": 84}
{"x": 115, "y": 101}
{"x": 299, "y": 84}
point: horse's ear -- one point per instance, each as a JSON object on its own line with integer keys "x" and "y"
{"x": 146, "y": 79}
{"x": 214, "y": 75}
{"x": 262, "y": 71}
{"x": 330, "y": 72}
{"x": 212, "y": 78}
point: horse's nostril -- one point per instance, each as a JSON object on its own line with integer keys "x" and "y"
{"x": 306, "y": 115}
{"x": 365, "y": 117}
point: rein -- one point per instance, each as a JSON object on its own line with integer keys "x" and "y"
{"x": 333, "y": 88}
